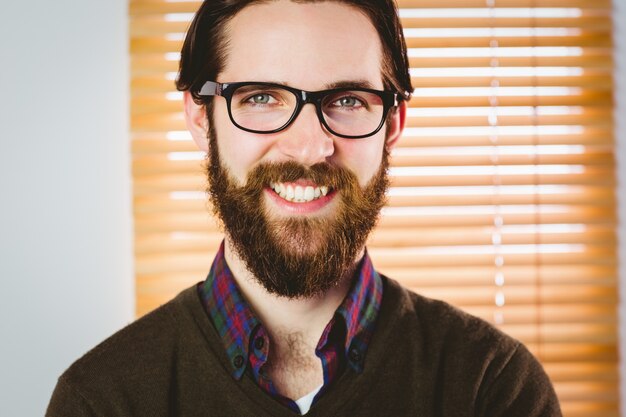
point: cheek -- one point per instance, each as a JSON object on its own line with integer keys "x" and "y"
{"x": 363, "y": 157}
{"x": 239, "y": 151}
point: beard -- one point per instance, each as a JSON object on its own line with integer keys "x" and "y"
{"x": 296, "y": 257}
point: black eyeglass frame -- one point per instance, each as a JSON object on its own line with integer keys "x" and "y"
{"x": 389, "y": 99}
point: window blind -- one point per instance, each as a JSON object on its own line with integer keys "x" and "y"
{"x": 503, "y": 190}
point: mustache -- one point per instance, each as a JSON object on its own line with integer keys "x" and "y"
{"x": 321, "y": 173}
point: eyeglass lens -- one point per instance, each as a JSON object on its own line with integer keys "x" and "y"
{"x": 267, "y": 108}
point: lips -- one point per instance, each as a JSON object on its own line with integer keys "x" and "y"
{"x": 299, "y": 193}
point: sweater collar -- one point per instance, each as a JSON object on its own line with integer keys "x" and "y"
{"x": 236, "y": 324}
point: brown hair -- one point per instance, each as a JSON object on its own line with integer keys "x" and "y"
{"x": 203, "y": 51}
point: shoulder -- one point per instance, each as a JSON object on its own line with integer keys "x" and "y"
{"x": 499, "y": 368}
{"x": 438, "y": 314}
{"x": 458, "y": 350}
{"x": 437, "y": 330}
{"x": 135, "y": 350}
{"x": 130, "y": 373}
{"x": 149, "y": 367}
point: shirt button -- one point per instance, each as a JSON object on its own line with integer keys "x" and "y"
{"x": 238, "y": 361}
{"x": 259, "y": 342}
{"x": 355, "y": 355}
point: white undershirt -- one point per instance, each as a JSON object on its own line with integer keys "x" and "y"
{"x": 304, "y": 403}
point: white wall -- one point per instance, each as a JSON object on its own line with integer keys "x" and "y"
{"x": 619, "y": 38}
{"x": 65, "y": 208}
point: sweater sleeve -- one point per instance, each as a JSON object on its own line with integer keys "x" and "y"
{"x": 520, "y": 389}
{"x": 67, "y": 402}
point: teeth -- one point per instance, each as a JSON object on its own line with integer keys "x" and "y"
{"x": 299, "y": 194}
{"x": 308, "y": 193}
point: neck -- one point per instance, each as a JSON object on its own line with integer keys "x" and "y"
{"x": 281, "y": 315}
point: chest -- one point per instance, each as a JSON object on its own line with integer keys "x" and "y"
{"x": 295, "y": 373}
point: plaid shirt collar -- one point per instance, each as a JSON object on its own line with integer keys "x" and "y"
{"x": 236, "y": 324}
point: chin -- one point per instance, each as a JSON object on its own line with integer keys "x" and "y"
{"x": 300, "y": 236}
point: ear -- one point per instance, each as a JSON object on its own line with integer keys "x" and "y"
{"x": 196, "y": 120}
{"x": 396, "y": 125}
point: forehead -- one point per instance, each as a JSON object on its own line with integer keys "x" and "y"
{"x": 305, "y": 45}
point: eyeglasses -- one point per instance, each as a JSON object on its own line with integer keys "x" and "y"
{"x": 259, "y": 107}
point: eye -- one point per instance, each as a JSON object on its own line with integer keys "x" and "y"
{"x": 261, "y": 98}
{"x": 349, "y": 102}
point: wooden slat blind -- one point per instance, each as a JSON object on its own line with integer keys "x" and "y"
{"x": 503, "y": 190}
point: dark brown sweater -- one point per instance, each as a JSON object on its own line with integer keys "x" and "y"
{"x": 426, "y": 359}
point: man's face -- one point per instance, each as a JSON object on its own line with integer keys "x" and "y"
{"x": 308, "y": 46}
{"x": 308, "y": 244}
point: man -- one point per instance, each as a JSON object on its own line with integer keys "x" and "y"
{"x": 298, "y": 104}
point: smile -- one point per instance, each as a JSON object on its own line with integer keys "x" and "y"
{"x": 298, "y": 193}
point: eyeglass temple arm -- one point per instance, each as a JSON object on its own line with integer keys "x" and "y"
{"x": 403, "y": 96}
{"x": 211, "y": 88}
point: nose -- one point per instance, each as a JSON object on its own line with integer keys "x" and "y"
{"x": 306, "y": 141}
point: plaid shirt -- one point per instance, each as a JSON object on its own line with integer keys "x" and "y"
{"x": 343, "y": 342}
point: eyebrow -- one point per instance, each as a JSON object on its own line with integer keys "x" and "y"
{"x": 340, "y": 84}
{"x": 336, "y": 84}
{"x": 350, "y": 84}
